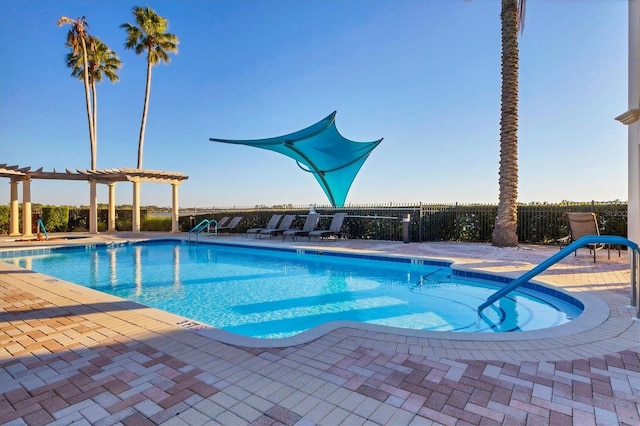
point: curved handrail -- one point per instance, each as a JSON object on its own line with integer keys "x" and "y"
{"x": 200, "y": 226}
{"x": 586, "y": 240}
{"x": 204, "y": 223}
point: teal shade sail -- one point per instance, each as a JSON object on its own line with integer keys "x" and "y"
{"x": 321, "y": 150}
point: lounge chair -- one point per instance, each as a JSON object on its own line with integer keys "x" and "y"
{"x": 335, "y": 228}
{"x": 222, "y": 222}
{"x": 310, "y": 224}
{"x": 219, "y": 224}
{"x": 232, "y": 225}
{"x": 284, "y": 226}
{"x": 583, "y": 224}
{"x": 273, "y": 223}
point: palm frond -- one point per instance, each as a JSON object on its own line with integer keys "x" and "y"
{"x": 521, "y": 12}
{"x": 101, "y": 60}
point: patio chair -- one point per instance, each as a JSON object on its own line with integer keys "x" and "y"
{"x": 310, "y": 224}
{"x": 284, "y": 226}
{"x": 223, "y": 221}
{"x": 335, "y": 228}
{"x": 213, "y": 228}
{"x": 582, "y": 224}
{"x": 232, "y": 225}
{"x": 273, "y": 223}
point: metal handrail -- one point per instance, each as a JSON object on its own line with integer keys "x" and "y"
{"x": 584, "y": 241}
{"x": 196, "y": 230}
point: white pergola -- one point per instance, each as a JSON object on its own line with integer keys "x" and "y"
{"x": 108, "y": 177}
{"x": 631, "y": 118}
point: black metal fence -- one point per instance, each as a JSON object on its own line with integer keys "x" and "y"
{"x": 539, "y": 223}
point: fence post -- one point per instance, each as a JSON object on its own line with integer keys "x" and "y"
{"x": 635, "y": 283}
{"x": 406, "y": 222}
{"x": 420, "y": 224}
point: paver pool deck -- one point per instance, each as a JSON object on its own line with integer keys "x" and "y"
{"x": 70, "y": 354}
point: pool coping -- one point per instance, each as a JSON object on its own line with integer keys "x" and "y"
{"x": 605, "y": 326}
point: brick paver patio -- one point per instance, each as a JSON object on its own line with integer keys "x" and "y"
{"x": 69, "y": 354}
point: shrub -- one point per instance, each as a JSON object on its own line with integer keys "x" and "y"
{"x": 4, "y": 219}
{"x": 78, "y": 219}
{"x": 55, "y": 219}
{"x": 156, "y": 224}
{"x": 123, "y": 224}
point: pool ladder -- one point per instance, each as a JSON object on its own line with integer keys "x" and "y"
{"x": 200, "y": 227}
{"x": 584, "y": 241}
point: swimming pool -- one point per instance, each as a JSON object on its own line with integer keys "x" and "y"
{"x": 270, "y": 293}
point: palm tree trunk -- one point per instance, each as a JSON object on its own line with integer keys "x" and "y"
{"x": 144, "y": 115}
{"x": 88, "y": 102}
{"x": 94, "y": 152}
{"x": 504, "y": 232}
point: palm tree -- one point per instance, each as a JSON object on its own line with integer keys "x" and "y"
{"x": 512, "y": 21}
{"x": 77, "y": 41}
{"x": 149, "y": 36}
{"x": 102, "y": 62}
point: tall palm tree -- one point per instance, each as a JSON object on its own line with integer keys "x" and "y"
{"x": 149, "y": 36}
{"x": 77, "y": 41}
{"x": 512, "y": 23}
{"x": 102, "y": 62}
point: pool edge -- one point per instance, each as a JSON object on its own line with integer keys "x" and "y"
{"x": 588, "y": 320}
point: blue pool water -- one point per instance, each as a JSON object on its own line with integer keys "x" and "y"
{"x": 269, "y": 293}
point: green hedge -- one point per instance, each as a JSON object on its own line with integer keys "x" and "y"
{"x": 55, "y": 219}
{"x": 155, "y": 224}
{"x": 4, "y": 219}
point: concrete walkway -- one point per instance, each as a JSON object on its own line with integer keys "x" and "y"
{"x": 71, "y": 354}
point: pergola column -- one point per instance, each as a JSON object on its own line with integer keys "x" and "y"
{"x": 26, "y": 208}
{"x": 93, "y": 207}
{"x": 633, "y": 219}
{"x": 630, "y": 118}
{"x": 135, "y": 222}
{"x": 175, "y": 211}
{"x": 14, "y": 211}
{"x": 112, "y": 207}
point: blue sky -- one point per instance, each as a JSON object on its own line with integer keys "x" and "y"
{"x": 422, "y": 74}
